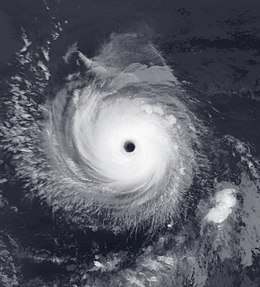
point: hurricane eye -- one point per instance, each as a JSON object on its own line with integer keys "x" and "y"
{"x": 129, "y": 146}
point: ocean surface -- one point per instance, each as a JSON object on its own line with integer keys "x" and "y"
{"x": 198, "y": 60}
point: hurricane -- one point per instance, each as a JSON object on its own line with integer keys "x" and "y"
{"x": 123, "y": 141}
{"x": 116, "y": 175}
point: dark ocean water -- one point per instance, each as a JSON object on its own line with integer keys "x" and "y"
{"x": 214, "y": 52}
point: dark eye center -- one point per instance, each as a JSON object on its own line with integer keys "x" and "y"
{"x": 129, "y": 146}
